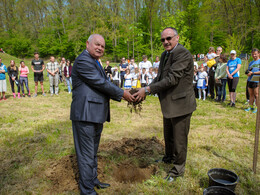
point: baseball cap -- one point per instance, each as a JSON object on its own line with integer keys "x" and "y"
{"x": 233, "y": 51}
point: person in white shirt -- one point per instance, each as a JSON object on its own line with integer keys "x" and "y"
{"x": 53, "y": 70}
{"x": 150, "y": 76}
{"x": 132, "y": 65}
{"x": 143, "y": 78}
{"x": 145, "y": 64}
{"x": 116, "y": 77}
{"x": 157, "y": 62}
{"x": 195, "y": 63}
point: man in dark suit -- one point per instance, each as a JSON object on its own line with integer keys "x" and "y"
{"x": 90, "y": 109}
{"x": 174, "y": 87}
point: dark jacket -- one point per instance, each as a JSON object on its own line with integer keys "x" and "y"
{"x": 12, "y": 73}
{"x": 65, "y": 71}
{"x": 91, "y": 91}
{"x": 174, "y": 83}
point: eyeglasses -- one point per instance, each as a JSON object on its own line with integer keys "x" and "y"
{"x": 167, "y": 38}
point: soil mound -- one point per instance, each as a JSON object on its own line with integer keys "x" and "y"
{"x": 64, "y": 174}
{"x": 137, "y": 167}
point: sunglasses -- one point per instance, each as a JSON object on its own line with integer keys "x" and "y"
{"x": 167, "y": 38}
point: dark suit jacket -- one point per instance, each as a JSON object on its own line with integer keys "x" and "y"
{"x": 174, "y": 83}
{"x": 91, "y": 91}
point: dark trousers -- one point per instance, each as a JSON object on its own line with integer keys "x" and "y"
{"x": 122, "y": 80}
{"x": 195, "y": 90}
{"x": 221, "y": 92}
{"x": 12, "y": 85}
{"x": 24, "y": 81}
{"x": 212, "y": 86}
{"x": 176, "y": 132}
{"x": 247, "y": 93}
{"x": 86, "y": 140}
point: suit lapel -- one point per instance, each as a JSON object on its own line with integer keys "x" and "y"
{"x": 100, "y": 69}
{"x": 161, "y": 66}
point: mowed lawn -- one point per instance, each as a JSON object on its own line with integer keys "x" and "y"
{"x": 36, "y": 132}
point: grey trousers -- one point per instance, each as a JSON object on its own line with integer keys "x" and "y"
{"x": 176, "y": 132}
{"x": 86, "y": 140}
{"x": 54, "y": 81}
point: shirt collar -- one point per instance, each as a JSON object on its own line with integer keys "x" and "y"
{"x": 173, "y": 48}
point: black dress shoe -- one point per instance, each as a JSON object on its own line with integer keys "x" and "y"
{"x": 102, "y": 185}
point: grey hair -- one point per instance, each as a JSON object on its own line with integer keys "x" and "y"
{"x": 90, "y": 38}
{"x": 219, "y": 47}
{"x": 174, "y": 30}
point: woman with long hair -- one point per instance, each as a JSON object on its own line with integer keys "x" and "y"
{"x": 13, "y": 77}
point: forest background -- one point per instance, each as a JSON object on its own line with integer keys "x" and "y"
{"x": 131, "y": 27}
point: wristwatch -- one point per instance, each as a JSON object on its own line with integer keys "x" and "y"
{"x": 146, "y": 91}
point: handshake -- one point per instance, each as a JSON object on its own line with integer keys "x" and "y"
{"x": 135, "y": 95}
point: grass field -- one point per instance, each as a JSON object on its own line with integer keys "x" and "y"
{"x": 37, "y": 154}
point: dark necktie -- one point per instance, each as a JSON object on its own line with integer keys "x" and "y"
{"x": 166, "y": 58}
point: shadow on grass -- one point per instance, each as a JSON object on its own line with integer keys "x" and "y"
{"x": 211, "y": 150}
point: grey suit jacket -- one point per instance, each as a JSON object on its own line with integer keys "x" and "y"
{"x": 174, "y": 83}
{"x": 91, "y": 91}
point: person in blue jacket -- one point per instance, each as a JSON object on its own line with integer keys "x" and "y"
{"x": 253, "y": 69}
{"x": 3, "y": 70}
{"x": 233, "y": 67}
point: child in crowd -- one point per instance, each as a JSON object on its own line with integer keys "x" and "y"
{"x": 155, "y": 70}
{"x": 128, "y": 80}
{"x": 211, "y": 57}
{"x": 13, "y": 77}
{"x": 135, "y": 78}
{"x": 150, "y": 76}
{"x": 221, "y": 78}
{"x": 116, "y": 77}
{"x": 143, "y": 78}
{"x": 3, "y": 70}
{"x": 195, "y": 80}
{"x": 202, "y": 82}
{"x": 24, "y": 71}
{"x": 67, "y": 74}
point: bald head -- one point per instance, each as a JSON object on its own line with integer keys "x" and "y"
{"x": 96, "y": 46}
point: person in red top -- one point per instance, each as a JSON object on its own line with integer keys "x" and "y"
{"x": 67, "y": 75}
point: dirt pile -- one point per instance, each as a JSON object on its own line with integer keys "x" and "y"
{"x": 137, "y": 165}
{"x": 64, "y": 174}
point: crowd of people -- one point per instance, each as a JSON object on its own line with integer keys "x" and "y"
{"x": 132, "y": 75}
{"x": 18, "y": 76}
{"x": 211, "y": 77}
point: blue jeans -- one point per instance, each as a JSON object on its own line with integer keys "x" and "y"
{"x": 69, "y": 82}
{"x": 222, "y": 90}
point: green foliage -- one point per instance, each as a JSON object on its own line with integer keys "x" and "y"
{"x": 233, "y": 42}
{"x": 19, "y": 46}
{"x": 130, "y": 28}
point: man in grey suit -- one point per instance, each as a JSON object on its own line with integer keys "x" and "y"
{"x": 174, "y": 87}
{"x": 90, "y": 108}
